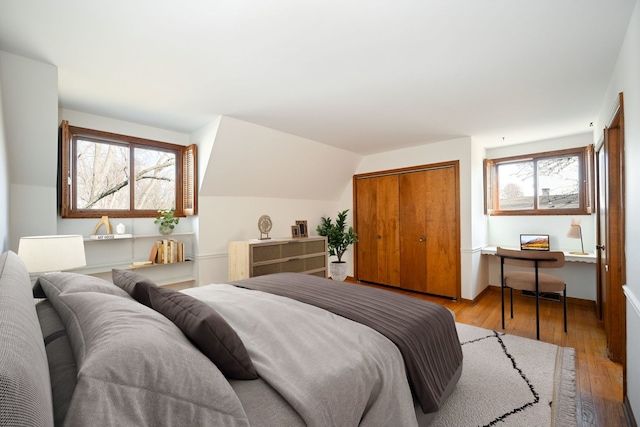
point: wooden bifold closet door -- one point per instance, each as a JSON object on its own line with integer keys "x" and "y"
{"x": 428, "y": 232}
{"x": 378, "y": 248}
{"x": 408, "y": 228}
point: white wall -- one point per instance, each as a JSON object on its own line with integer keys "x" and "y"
{"x": 626, "y": 79}
{"x": 30, "y": 107}
{"x": 476, "y": 266}
{"x": 4, "y": 178}
{"x": 106, "y": 124}
{"x": 253, "y": 171}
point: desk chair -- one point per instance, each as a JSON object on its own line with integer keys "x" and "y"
{"x": 532, "y": 280}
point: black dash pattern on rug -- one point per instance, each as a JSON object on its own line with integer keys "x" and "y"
{"x": 534, "y": 394}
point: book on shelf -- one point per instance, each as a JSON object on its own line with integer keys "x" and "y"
{"x": 138, "y": 264}
{"x": 167, "y": 251}
{"x": 110, "y": 236}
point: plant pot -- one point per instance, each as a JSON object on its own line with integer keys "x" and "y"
{"x": 166, "y": 230}
{"x": 338, "y": 270}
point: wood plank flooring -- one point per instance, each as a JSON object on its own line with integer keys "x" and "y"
{"x": 599, "y": 380}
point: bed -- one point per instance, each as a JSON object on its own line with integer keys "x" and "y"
{"x": 278, "y": 350}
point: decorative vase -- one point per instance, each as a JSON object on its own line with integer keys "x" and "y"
{"x": 120, "y": 228}
{"x": 166, "y": 230}
{"x": 338, "y": 270}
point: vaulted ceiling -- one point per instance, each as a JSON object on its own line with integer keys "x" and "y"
{"x": 366, "y": 76}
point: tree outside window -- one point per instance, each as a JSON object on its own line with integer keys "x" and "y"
{"x": 122, "y": 176}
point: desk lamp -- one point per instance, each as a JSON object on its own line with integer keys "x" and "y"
{"x": 575, "y": 232}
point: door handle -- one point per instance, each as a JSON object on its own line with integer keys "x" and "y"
{"x": 422, "y": 239}
{"x": 600, "y": 247}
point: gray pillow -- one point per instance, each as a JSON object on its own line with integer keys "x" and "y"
{"x": 134, "y": 284}
{"x": 73, "y": 282}
{"x": 135, "y": 367}
{"x": 62, "y": 365}
{"x": 207, "y": 330}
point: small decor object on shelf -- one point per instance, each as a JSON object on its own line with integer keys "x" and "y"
{"x": 120, "y": 228}
{"x": 302, "y": 225}
{"x": 264, "y": 225}
{"x": 295, "y": 232}
{"x": 338, "y": 240}
{"x": 110, "y": 236}
{"x": 166, "y": 220}
{"x": 107, "y": 225}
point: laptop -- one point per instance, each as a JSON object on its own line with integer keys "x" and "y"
{"x": 534, "y": 242}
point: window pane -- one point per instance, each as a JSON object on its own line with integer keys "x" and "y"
{"x": 155, "y": 179}
{"x": 102, "y": 176}
{"x": 515, "y": 185}
{"x": 558, "y": 183}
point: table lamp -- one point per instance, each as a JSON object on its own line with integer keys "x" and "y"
{"x": 575, "y": 232}
{"x": 46, "y": 254}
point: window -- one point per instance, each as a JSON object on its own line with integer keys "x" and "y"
{"x": 103, "y": 173}
{"x": 555, "y": 183}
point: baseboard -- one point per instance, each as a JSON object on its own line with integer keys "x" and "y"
{"x": 628, "y": 412}
{"x": 346, "y": 279}
{"x": 478, "y": 297}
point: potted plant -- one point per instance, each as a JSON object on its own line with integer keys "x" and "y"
{"x": 338, "y": 240}
{"x": 167, "y": 220}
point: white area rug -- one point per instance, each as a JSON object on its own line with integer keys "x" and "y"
{"x": 511, "y": 381}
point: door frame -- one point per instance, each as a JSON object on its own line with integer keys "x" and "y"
{"x": 610, "y": 253}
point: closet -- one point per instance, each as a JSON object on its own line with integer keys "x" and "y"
{"x": 408, "y": 225}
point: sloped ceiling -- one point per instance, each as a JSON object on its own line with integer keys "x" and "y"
{"x": 249, "y": 160}
{"x": 364, "y": 76}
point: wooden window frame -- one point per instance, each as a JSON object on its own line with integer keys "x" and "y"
{"x": 585, "y": 183}
{"x": 186, "y": 173}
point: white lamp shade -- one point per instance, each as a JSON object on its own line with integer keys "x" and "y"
{"x": 44, "y": 254}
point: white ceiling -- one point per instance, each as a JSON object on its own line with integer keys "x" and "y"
{"x": 367, "y": 76}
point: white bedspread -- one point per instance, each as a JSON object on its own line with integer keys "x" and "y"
{"x": 331, "y": 370}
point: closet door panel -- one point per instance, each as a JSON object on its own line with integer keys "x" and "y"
{"x": 442, "y": 251}
{"x": 366, "y": 226}
{"x": 413, "y": 231}
{"x": 388, "y": 222}
{"x": 377, "y": 227}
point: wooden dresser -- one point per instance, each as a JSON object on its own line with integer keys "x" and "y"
{"x": 259, "y": 257}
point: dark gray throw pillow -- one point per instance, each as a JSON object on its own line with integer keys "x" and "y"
{"x": 213, "y": 336}
{"x": 135, "y": 284}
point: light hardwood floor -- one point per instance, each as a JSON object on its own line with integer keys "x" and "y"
{"x": 599, "y": 380}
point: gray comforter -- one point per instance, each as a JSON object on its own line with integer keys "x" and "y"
{"x": 424, "y": 332}
{"x": 332, "y": 371}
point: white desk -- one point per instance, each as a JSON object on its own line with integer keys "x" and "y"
{"x": 568, "y": 256}
{"x": 579, "y": 273}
